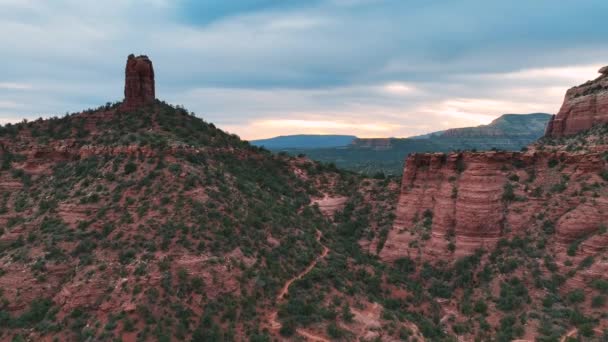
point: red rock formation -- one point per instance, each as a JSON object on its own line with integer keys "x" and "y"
{"x": 451, "y": 205}
{"x": 584, "y": 106}
{"x": 139, "y": 82}
{"x": 330, "y": 204}
{"x": 464, "y": 194}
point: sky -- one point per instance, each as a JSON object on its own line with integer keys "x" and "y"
{"x": 262, "y": 68}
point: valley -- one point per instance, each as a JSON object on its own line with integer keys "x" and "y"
{"x": 376, "y": 156}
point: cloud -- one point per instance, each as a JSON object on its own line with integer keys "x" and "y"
{"x": 399, "y": 88}
{"x": 8, "y": 104}
{"x": 15, "y": 86}
{"x": 550, "y": 75}
{"x": 407, "y": 66}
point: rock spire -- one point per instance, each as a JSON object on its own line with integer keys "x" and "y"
{"x": 139, "y": 82}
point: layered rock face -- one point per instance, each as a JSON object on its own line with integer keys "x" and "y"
{"x": 139, "y": 82}
{"x": 450, "y": 205}
{"x": 584, "y": 106}
{"x": 539, "y": 216}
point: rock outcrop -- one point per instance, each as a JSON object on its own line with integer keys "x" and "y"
{"x": 450, "y": 205}
{"x": 139, "y": 82}
{"x": 584, "y": 106}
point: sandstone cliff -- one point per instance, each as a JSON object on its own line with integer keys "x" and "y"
{"x": 584, "y": 106}
{"x": 450, "y": 205}
{"x": 458, "y": 202}
{"x": 516, "y": 231}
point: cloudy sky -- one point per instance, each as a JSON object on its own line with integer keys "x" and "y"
{"x": 260, "y": 68}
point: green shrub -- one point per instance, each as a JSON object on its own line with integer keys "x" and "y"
{"x": 126, "y": 256}
{"x": 480, "y": 307}
{"x": 559, "y": 187}
{"x": 552, "y": 162}
{"x": 288, "y": 328}
{"x": 334, "y": 331}
{"x": 572, "y": 248}
{"x": 548, "y": 227}
{"x": 440, "y": 289}
{"x": 347, "y": 315}
{"x": 405, "y": 265}
{"x": 508, "y": 329}
{"x": 598, "y": 301}
{"x": 38, "y": 310}
{"x": 130, "y": 167}
{"x": 576, "y": 296}
{"x": 513, "y": 293}
{"x": 513, "y": 177}
{"x": 585, "y": 263}
{"x": 600, "y": 285}
{"x": 586, "y": 329}
{"x": 508, "y": 194}
{"x": 460, "y": 165}
{"x": 175, "y": 169}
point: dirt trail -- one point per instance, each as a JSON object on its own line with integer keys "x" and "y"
{"x": 273, "y": 316}
{"x": 569, "y": 334}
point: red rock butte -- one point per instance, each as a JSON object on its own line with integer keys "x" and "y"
{"x": 139, "y": 82}
{"x": 584, "y": 106}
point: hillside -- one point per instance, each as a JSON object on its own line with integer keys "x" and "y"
{"x": 154, "y": 214}
{"x": 507, "y": 125}
{"x": 141, "y": 222}
{"x": 509, "y": 132}
{"x": 304, "y": 141}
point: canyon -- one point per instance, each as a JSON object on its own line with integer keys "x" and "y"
{"x": 509, "y": 132}
{"x": 139, "y": 221}
{"x": 465, "y": 191}
{"x": 554, "y": 194}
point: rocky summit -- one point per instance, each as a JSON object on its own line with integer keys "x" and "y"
{"x": 139, "y": 221}
{"x": 584, "y": 106}
{"x": 139, "y": 82}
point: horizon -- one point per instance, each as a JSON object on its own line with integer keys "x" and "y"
{"x": 391, "y": 137}
{"x": 262, "y": 69}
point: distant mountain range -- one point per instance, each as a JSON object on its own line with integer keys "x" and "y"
{"x": 371, "y": 155}
{"x": 305, "y": 141}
